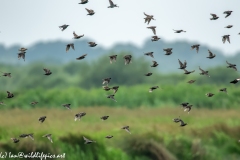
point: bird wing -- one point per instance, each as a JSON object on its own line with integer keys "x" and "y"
{"x": 180, "y": 63}
{"x": 75, "y": 35}
{"x": 111, "y": 3}
{"x": 50, "y": 138}
{"x": 88, "y": 10}
{"x": 154, "y": 62}
{"x": 154, "y": 30}
{"x": 145, "y": 14}
{"x": 181, "y": 121}
{"x": 197, "y": 48}
{"x": 228, "y": 39}
{"x": 210, "y": 53}
{"x": 67, "y": 48}
{"x": 214, "y": 15}
{"x": 229, "y": 63}
{"x": 31, "y": 136}
{"x": 46, "y": 70}
{"x": 72, "y": 45}
{"x": 201, "y": 69}
{"x": 235, "y": 68}
{"x": 224, "y": 39}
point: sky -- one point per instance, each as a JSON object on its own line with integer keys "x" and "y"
{"x": 26, "y": 22}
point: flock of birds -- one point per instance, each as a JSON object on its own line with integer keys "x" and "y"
{"x": 128, "y": 59}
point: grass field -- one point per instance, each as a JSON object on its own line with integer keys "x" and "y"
{"x": 210, "y": 134}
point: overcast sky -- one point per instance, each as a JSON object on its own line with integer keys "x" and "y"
{"x": 26, "y": 22}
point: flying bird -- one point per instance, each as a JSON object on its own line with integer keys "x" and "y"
{"x": 203, "y": 72}
{"x": 184, "y": 104}
{"x": 179, "y": 31}
{"x": 182, "y": 65}
{"x": 235, "y": 81}
{"x": 182, "y": 124}
{"x": 223, "y": 90}
{"x": 211, "y": 55}
{"x": 88, "y": 141}
{"x": 188, "y": 72}
{"x": 168, "y": 51}
{"x": 90, "y": 12}
{"x": 9, "y": 94}
{"x": 34, "y": 103}
{"x": 155, "y": 64}
{"x": 209, "y": 94}
{"x": 126, "y": 128}
{"x": 112, "y": 5}
{"x": 148, "y": 18}
{"x": 226, "y": 37}
{"x": 77, "y": 36}
{"x": 153, "y": 88}
{"x": 22, "y": 49}
{"x": 111, "y": 97}
{"x": 6, "y": 74}
{"x": 106, "y": 88}
{"x": 104, "y": 118}
{"x": 21, "y": 55}
{"x": 155, "y": 38}
{"x": 67, "y": 105}
{"x": 149, "y": 54}
{"x": 214, "y": 16}
{"x": 188, "y": 108}
{"x": 229, "y": 26}
{"x": 109, "y": 136}
{"x": 128, "y": 59}
{"x": 63, "y": 27}
{"x": 228, "y": 13}
{"x": 68, "y": 46}
{"x": 113, "y": 58}
{"x": 83, "y": 2}
{"x": 115, "y": 89}
{"x": 78, "y": 116}
{"x": 15, "y": 140}
{"x": 230, "y": 65}
{"x": 81, "y": 57}
{"x": 148, "y": 74}
{"x": 176, "y": 120}
{"x": 92, "y": 44}
{"x": 47, "y": 71}
{"x": 106, "y": 80}
{"x": 27, "y": 136}
{"x": 153, "y": 28}
{"x": 195, "y": 46}
{"x": 42, "y": 119}
{"x": 191, "y": 81}
{"x": 49, "y": 137}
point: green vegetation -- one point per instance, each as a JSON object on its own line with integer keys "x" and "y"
{"x": 208, "y": 135}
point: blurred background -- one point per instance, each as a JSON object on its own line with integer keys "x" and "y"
{"x": 213, "y": 124}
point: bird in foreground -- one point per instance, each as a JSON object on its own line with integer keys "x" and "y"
{"x": 188, "y": 108}
{"x": 111, "y": 97}
{"x": 78, "y": 116}
{"x": 149, "y": 54}
{"x": 106, "y": 80}
{"x": 126, "y": 128}
{"x": 27, "y": 136}
{"x": 195, "y": 46}
{"x": 176, "y": 120}
{"x": 109, "y": 137}
{"x": 15, "y": 140}
{"x": 67, "y": 105}
{"x": 191, "y": 81}
{"x": 209, "y": 94}
{"x": 148, "y": 18}
{"x": 112, "y": 5}
{"x": 230, "y": 65}
{"x": 6, "y": 74}
{"x": 182, "y": 65}
{"x": 153, "y": 28}
{"x": 179, "y": 31}
{"x": 148, "y": 74}
{"x": 34, "y": 103}
{"x": 115, "y": 89}
{"x": 128, "y": 59}
{"x": 42, "y": 119}
{"x": 223, "y": 90}
{"x": 153, "y": 88}
{"x": 63, "y": 27}
{"x": 155, "y": 38}
{"x": 9, "y": 94}
{"x": 48, "y": 136}
{"x": 235, "y": 81}
{"x": 113, "y": 58}
{"x": 88, "y": 141}
{"x": 106, "y": 88}
{"x": 228, "y": 13}
{"x": 229, "y": 26}
{"x": 155, "y": 64}
{"x": 211, "y": 55}
{"x": 77, "y": 36}
{"x": 68, "y": 46}
{"x": 21, "y": 55}
{"x": 83, "y": 2}
{"x": 47, "y": 71}
{"x": 81, "y": 57}
{"x": 90, "y": 12}
{"x": 92, "y": 44}
{"x": 214, "y": 16}
{"x": 203, "y": 72}
{"x": 168, "y": 51}
{"x": 104, "y": 118}
{"x": 226, "y": 37}
{"x": 182, "y": 124}
{"x": 188, "y": 72}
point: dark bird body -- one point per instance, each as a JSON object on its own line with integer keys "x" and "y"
{"x": 195, "y": 46}
{"x": 42, "y": 119}
{"x": 235, "y": 81}
{"x": 191, "y": 81}
{"x": 148, "y": 18}
{"x": 229, "y": 26}
{"x": 115, "y": 89}
{"x": 15, "y": 140}
{"x": 188, "y": 72}
{"x": 203, "y": 72}
{"x": 21, "y": 55}
{"x": 179, "y": 31}
{"x": 128, "y": 59}
{"x": 230, "y": 65}
{"x": 68, "y": 46}
{"x": 155, "y": 38}
{"x": 7, "y": 75}
{"x": 126, "y": 128}
{"x": 155, "y": 64}
{"x": 223, "y": 90}
{"x": 148, "y": 74}
{"x": 109, "y": 137}
{"x": 149, "y": 54}
{"x": 104, "y": 118}
{"x": 113, "y": 58}
{"x": 90, "y": 12}
{"x": 81, "y": 57}
{"x": 226, "y": 37}
{"x": 214, "y": 16}
{"x": 67, "y": 105}
{"x": 211, "y": 55}
{"x": 153, "y": 88}
{"x": 78, "y": 116}
{"x": 83, "y": 2}
{"x": 63, "y": 27}
{"x": 47, "y": 71}
{"x": 228, "y": 13}
{"x": 106, "y": 80}
{"x": 209, "y": 94}
{"x": 92, "y": 44}
{"x": 77, "y": 36}
{"x": 112, "y": 5}
{"x": 9, "y": 94}
{"x": 182, "y": 65}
